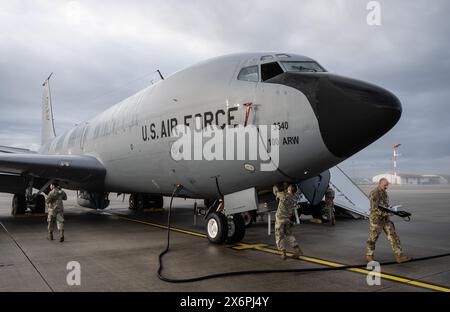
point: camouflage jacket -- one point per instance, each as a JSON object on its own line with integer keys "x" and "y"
{"x": 55, "y": 199}
{"x": 378, "y": 197}
{"x": 286, "y": 205}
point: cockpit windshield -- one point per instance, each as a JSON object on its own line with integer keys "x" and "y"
{"x": 302, "y": 66}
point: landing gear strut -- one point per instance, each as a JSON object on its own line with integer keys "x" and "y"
{"x": 20, "y": 204}
{"x": 36, "y": 201}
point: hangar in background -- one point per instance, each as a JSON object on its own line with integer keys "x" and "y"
{"x": 412, "y": 178}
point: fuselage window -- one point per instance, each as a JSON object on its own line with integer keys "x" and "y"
{"x": 249, "y": 74}
{"x": 293, "y": 66}
{"x": 270, "y": 70}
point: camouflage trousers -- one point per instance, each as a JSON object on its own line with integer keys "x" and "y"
{"x": 374, "y": 232}
{"x": 283, "y": 234}
{"x": 328, "y": 211}
{"x": 55, "y": 216}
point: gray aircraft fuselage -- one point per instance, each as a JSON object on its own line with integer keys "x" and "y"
{"x": 323, "y": 119}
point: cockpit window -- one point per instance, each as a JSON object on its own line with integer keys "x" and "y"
{"x": 249, "y": 74}
{"x": 270, "y": 70}
{"x": 293, "y": 66}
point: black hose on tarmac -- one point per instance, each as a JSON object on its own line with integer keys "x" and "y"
{"x": 247, "y": 272}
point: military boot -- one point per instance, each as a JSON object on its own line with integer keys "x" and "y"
{"x": 402, "y": 258}
{"x": 315, "y": 221}
{"x": 370, "y": 258}
{"x": 50, "y": 235}
{"x": 61, "y": 236}
{"x": 297, "y": 252}
{"x": 283, "y": 254}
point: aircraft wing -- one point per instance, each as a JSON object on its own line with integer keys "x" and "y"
{"x": 72, "y": 170}
{"x": 15, "y": 150}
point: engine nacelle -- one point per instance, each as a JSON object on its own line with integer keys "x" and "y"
{"x": 92, "y": 200}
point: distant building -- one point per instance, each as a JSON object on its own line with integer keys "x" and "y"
{"x": 412, "y": 178}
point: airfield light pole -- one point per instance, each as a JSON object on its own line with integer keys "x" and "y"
{"x": 394, "y": 162}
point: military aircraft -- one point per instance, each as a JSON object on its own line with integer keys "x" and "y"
{"x": 321, "y": 119}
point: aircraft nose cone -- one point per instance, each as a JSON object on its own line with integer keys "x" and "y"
{"x": 353, "y": 114}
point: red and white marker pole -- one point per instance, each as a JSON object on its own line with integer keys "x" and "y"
{"x": 394, "y": 162}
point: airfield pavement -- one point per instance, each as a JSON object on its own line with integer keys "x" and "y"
{"x": 117, "y": 250}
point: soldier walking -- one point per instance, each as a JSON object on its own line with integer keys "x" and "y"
{"x": 283, "y": 223}
{"x": 329, "y": 206}
{"x": 379, "y": 220}
{"x": 55, "y": 211}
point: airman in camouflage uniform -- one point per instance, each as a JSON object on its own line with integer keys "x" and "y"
{"x": 283, "y": 223}
{"x": 329, "y": 206}
{"x": 379, "y": 220}
{"x": 56, "y": 211}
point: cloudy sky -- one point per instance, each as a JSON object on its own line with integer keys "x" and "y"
{"x": 103, "y": 51}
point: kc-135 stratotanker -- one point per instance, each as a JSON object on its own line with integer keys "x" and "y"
{"x": 321, "y": 118}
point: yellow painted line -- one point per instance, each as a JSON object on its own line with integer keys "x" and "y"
{"x": 243, "y": 246}
{"x": 164, "y": 227}
{"x": 403, "y": 280}
{"x": 153, "y": 210}
{"x": 364, "y": 271}
{"x": 264, "y": 248}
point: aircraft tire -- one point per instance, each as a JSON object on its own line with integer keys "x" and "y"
{"x": 39, "y": 204}
{"x": 132, "y": 202}
{"x": 153, "y": 201}
{"x": 136, "y": 202}
{"x": 236, "y": 228}
{"x": 217, "y": 227}
{"x": 19, "y": 205}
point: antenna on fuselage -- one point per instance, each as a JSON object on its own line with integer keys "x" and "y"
{"x": 160, "y": 75}
{"x": 46, "y": 80}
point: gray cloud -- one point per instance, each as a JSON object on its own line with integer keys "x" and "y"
{"x": 97, "y": 62}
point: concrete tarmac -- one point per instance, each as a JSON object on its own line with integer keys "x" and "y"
{"x": 118, "y": 249}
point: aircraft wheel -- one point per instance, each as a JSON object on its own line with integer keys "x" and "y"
{"x": 136, "y": 202}
{"x": 39, "y": 204}
{"x": 19, "y": 205}
{"x": 236, "y": 228}
{"x": 132, "y": 202}
{"x": 152, "y": 201}
{"x": 217, "y": 227}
